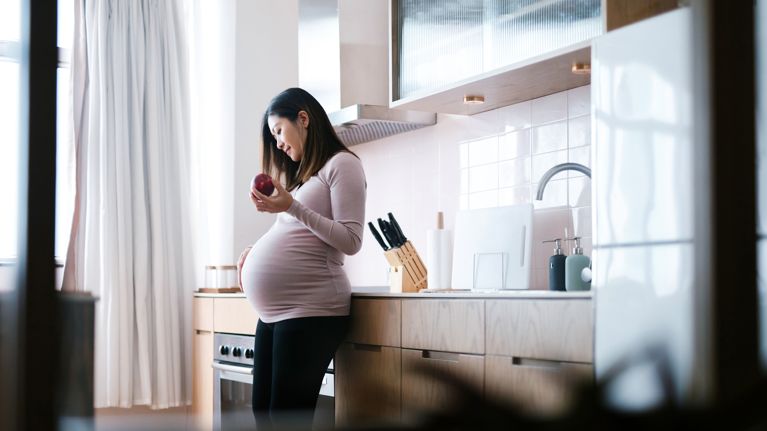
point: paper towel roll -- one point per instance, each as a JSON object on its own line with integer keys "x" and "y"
{"x": 439, "y": 258}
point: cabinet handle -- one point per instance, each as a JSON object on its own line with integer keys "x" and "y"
{"x": 440, "y": 356}
{"x": 540, "y": 363}
{"x": 366, "y": 347}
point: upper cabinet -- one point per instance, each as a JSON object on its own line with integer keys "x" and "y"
{"x": 471, "y": 56}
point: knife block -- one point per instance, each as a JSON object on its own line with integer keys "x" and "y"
{"x": 407, "y": 273}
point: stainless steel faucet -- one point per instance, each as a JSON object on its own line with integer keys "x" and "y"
{"x": 557, "y": 169}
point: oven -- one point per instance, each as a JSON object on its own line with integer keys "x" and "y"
{"x": 233, "y": 381}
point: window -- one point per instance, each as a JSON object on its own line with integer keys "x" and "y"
{"x": 10, "y": 34}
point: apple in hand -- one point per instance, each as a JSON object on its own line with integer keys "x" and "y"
{"x": 263, "y": 183}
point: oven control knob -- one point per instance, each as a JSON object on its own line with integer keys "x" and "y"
{"x": 224, "y": 350}
{"x": 237, "y": 352}
{"x": 249, "y": 353}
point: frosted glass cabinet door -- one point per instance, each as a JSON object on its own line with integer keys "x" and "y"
{"x": 439, "y": 42}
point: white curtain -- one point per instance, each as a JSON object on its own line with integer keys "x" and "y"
{"x": 131, "y": 236}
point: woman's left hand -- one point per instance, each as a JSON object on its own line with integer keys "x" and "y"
{"x": 276, "y": 203}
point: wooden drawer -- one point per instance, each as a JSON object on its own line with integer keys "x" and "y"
{"x": 234, "y": 315}
{"x": 202, "y": 383}
{"x": 376, "y": 322}
{"x": 367, "y": 384}
{"x": 553, "y": 329}
{"x": 202, "y": 314}
{"x": 544, "y": 387}
{"x": 423, "y": 386}
{"x": 449, "y": 325}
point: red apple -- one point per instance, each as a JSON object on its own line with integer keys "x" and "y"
{"x": 263, "y": 183}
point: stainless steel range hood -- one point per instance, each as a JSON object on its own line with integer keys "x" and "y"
{"x": 343, "y": 60}
{"x": 363, "y": 123}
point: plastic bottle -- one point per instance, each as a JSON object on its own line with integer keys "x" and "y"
{"x": 557, "y": 267}
{"x": 574, "y": 265}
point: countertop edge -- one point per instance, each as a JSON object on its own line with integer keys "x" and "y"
{"x": 522, "y": 294}
{"x": 519, "y": 294}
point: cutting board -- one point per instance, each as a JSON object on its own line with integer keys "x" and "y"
{"x": 492, "y": 248}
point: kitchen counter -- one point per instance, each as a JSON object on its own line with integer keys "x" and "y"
{"x": 372, "y": 293}
{"x": 218, "y": 295}
{"x": 526, "y": 294}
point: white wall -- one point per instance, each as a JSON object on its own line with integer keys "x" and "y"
{"x": 212, "y": 109}
{"x": 505, "y": 152}
{"x": 266, "y": 63}
{"x": 243, "y": 53}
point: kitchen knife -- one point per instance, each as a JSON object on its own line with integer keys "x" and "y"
{"x": 377, "y": 236}
{"x": 398, "y": 230}
{"x": 386, "y": 232}
{"x": 394, "y": 235}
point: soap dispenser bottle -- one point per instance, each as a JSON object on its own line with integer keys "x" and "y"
{"x": 574, "y": 266}
{"x": 557, "y": 267}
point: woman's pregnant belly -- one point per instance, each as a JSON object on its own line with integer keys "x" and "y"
{"x": 288, "y": 268}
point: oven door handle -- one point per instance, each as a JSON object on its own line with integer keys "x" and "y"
{"x": 234, "y": 368}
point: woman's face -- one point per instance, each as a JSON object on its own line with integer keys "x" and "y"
{"x": 290, "y": 135}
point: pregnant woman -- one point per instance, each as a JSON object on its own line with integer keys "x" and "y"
{"x": 293, "y": 275}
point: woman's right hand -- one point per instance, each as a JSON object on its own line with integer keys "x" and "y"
{"x": 240, "y": 262}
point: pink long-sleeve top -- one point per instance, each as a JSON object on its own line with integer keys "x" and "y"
{"x": 296, "y": 268}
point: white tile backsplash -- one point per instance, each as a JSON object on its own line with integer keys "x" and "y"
{"x": 483, "y": 178}
{"x": 580, "y": 155}
{"x": 487, "y": 199}
{"x": 579, "y": 193}
{"x": 514, "y": 144}
{"x": 550, "y": 137}
{"x": 555, "y": 194}
{"x": 579, "y": 101}
{"x": 514, "y": 196}
{"x": 463, "y": 154}
{"x": 549, "y": 108}
{"x": 515, "y": 172}
{"x": 579, "y": 131}
{"x": 516, "y": 116}
{"x": 483, "y": 151}
{"x": 480, "y": 161}
{"x": 544, "y": 162}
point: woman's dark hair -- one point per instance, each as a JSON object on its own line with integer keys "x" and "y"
{"x": 321, "y": 144}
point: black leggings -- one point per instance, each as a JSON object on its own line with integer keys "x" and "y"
{"x": 291, "y": 357}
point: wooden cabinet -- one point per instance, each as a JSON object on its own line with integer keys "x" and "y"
{"x": 234, "y": 316}
{"x": 529, "y": 351}
{"x": 369, "y": 364}
{"x": 367, "y": 384}
{"x": 202, "y": 358}
{"x": 376, "y": 322}
{"x": 450, "y": 325}
{"x": 231, "y": 314}
{"x": 540, "y": 386}
{"x": 557, "y": 329}
{"x": 426, "y": 375}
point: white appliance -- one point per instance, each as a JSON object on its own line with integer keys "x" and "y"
{"x": 644, "y": 128}
{"x": 492, "y": 248}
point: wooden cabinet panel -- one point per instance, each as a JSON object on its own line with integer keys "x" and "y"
{"x": 617, "y": 13}
{"x": 424, "y": 390}
{"x": 544, "y": 387}
{"x": 202, "y": 382}
{"x": 202, "y": 314}
{"x": 541, "y": 329}
{"x": 234, "y": 315}
{"x": 450, "y": 325}
{"x": 376, "y": 322}
{"x": 367, "y": 384}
